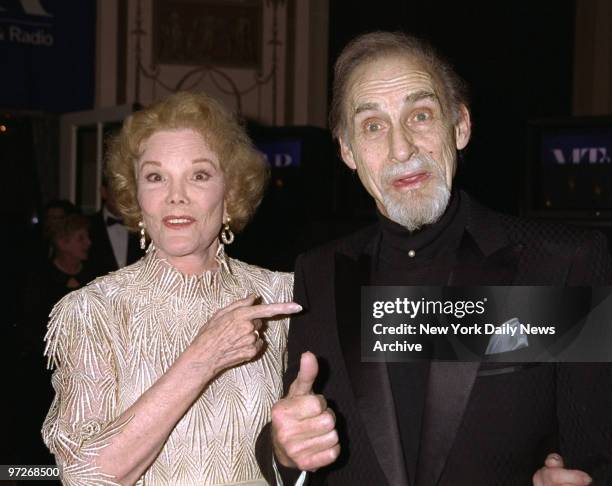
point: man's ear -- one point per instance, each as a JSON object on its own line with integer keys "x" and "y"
{"x": 347, "y": 153}
{"x": 463, "y": 128}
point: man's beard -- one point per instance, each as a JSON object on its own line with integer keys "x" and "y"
{"x": 416, "y": 207}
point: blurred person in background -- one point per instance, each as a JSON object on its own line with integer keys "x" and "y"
{"x": 113, "y": 245}
{"x": 64, "y": 271}
{"x": 41, "y": 245}
{"x": 43, "y": 286}
{"x": 71, "y": 243}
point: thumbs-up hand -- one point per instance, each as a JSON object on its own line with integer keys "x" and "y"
{"x": 303, "y": 427}
{"x": 554, "y": 474}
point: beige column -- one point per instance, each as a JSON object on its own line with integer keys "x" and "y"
{"x": 310, "y": 63}
{"x": 593, "y": 58}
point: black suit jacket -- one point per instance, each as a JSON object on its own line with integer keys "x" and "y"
{"x": 101, "y": 256}
{"x": 473, "y": 423}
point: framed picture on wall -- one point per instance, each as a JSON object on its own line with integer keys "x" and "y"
{"x": 198, "y": 32}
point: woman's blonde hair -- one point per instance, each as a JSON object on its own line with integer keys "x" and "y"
{"x": 244, "y": 168}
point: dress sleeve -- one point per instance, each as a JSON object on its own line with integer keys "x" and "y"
{"x": 82, "y": 418}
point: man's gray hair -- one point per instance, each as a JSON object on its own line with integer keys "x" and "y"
{"x": 374, "y": 45}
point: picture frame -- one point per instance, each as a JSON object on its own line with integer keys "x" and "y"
{"x": 225, "y": 33}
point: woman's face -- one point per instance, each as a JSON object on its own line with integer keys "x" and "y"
{"x": 76, "y": 244}
{"x": 180, "y": 191}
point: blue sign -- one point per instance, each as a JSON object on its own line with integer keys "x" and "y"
{"x": 282, "y": 154}
{"x": 47, "y": 54}
{"x": 579, "y": 148}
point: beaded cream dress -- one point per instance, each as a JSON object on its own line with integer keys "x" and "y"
{"x": 111, "y": 340}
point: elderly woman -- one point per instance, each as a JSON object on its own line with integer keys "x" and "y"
{"x": 168, "y": 369}
{"x": 68, "y": 270}
{"x": 64, "y": 272}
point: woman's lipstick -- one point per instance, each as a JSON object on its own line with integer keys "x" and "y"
{"x": 177, "y": 222}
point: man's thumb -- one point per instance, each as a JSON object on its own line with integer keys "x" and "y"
{"x": 302, "y": 385}
{"x": 553, "y": 460}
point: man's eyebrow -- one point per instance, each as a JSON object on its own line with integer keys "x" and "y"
{"x": 366, "y": 107}
{"x": 411, "y": 98}
{"x": 421, "y": 95}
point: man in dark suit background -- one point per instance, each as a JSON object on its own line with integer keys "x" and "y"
{"x": 112, "y": 245}
{"x": 400, "y": 114}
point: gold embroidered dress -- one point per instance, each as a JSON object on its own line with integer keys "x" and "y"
{"x": 111, "y": 340}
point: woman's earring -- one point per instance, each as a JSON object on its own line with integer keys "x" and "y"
{"x": 143, "y": 236}
{"x": 227, "y": 236}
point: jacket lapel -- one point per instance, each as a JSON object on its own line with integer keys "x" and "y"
{"x": 486, "y": 250}
{"x": 369, "y": 381}
{"x": 448, "y": 392}
{"x": 484, "y": 257}
{"x": 475, "y": 267}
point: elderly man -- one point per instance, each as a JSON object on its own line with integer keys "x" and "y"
{"x": 400, "y": 114}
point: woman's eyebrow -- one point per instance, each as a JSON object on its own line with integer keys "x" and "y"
{"x": 150, "y": 162}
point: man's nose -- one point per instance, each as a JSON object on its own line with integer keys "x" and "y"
{"x": 177, "y": 193}
{"x": 401, "y": 145}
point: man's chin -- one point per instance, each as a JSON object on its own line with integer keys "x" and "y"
{"x": 417, "y": 208}
{"x": 415, "y": 196}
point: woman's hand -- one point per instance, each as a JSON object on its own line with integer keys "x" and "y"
{"x": 232, "y": 337}
{"x": 227, "y": 339}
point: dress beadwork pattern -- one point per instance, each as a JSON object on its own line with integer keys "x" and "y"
{"x": 111, "y": 340}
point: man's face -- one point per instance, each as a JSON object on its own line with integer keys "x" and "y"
{"x": 401, "y": 141}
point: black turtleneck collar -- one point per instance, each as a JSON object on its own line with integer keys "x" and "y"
{"x": 398, "y": 245}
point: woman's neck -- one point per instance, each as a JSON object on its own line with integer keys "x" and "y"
{"x": 68, "y": 264}
{"x": 194, "y": 264}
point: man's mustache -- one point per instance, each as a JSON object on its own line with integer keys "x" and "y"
{"x": 416, "y": 163}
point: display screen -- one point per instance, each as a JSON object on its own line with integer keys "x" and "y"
{"x": 571, "y": 167}
{"x": 282, "y": 154}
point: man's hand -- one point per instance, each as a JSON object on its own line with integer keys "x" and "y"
{"x": 303, "y": 428}
{"x": 554, "y": 474}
